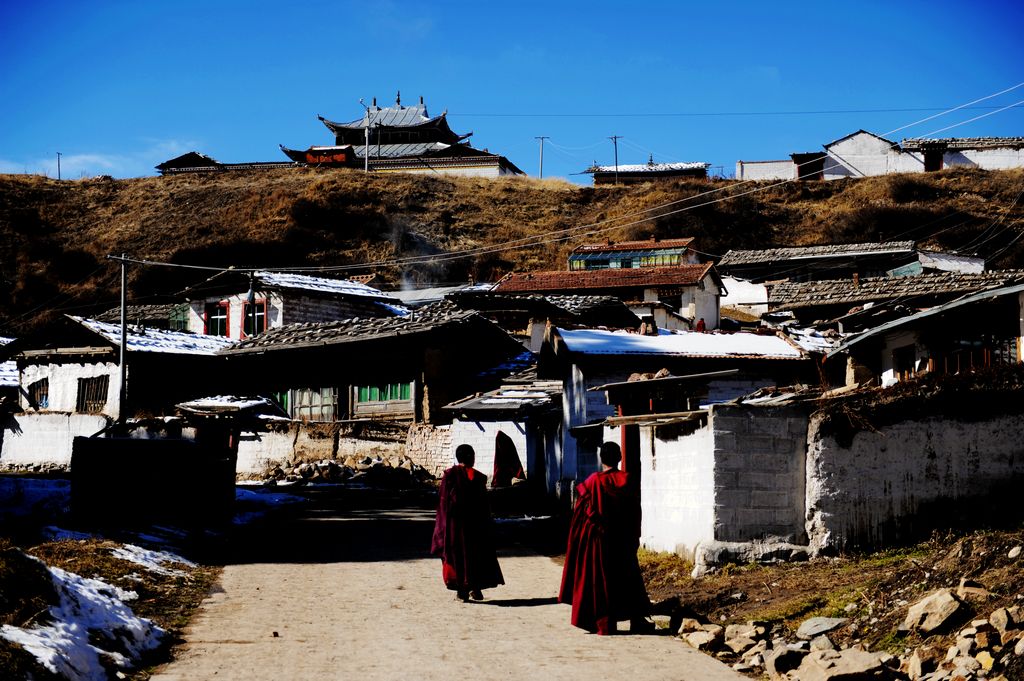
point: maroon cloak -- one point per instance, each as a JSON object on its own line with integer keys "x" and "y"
{"x": 601, "y": 578}
{"x": 463, "y": 532}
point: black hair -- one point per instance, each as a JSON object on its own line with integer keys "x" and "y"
{"x": 610, "y": 454}
{"x": 464, "y": 454}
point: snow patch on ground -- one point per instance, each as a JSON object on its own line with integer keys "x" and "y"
{"x": 90, "y": 624}
{"x": 152, "y": 560}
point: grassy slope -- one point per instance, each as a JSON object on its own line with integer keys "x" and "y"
{"x": 54, "y": 235}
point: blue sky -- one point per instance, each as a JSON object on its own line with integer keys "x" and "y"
{"x": 118, "y": 87}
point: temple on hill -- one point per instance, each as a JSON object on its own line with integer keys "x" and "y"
{"x": 403, "y": 139}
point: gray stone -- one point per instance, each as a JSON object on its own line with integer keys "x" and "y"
{"x": 819, "y": 625}
{"x": 923, "y": 660}
{"x": 739, "y": 644}
{"x": 933, "y": 611}
{"x": 689, "y": 624}
{"x": 701, "y": 640}
{"x": 1015, "y": 552}
{"x": 822, "y": 642}
{"x": 1019, "y": 648}
{"x": 833, "y": 665}
{"x": 1002, "y": 620}
{"x": 759, "y": 648}
{"x": 781, "y": 660}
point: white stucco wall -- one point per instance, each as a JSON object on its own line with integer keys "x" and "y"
{"x": 260, "y": 452}
{"x": 766, "y": 170}
{"x": 236, "y": 303}
{"x": 745, "y": 295}
{"x": 863, "y": 155}
{"x": 44, "y": 439}
{"x": 856, "y": 494}
{"x": 466, "y": 171}
{"x": 989, "y": 159}
{"x": 677, "y": 490}
{"x": 63, "y": 384}
{"x": 481, "y": 435}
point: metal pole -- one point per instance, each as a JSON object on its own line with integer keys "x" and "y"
{"x": 366, "y": 144}
{"x": 541, "y": 155}
{"x": 58, "y": 165}
{"x": 123, "y": 407}
{"x": 615, "y": 141}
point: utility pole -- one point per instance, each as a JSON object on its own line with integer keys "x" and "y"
{"x": 58, "y": 165}
{"x": 366, "y": 146}
{"x": 541, "y": 155}
{"x": 615, "y": 141}
{"x": 122, "y": 409}
{"x": 250, "y": 299}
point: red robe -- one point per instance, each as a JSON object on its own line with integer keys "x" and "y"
{"x": 601, "y": 578}
{"x": 463, "y": 532}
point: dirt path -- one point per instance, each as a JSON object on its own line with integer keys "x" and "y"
{"x": 342, "y": 593}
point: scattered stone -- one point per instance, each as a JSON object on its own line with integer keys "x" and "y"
{"x": 758, "y": 649}
{"x": 985, "y": 659}
{"x": 1019, "y": 648}
{"x": 923, "y": 660}
{"x": 701, "y": 640}
{"x": 689, "y": 624}
{"x": 1014, "y": 552}
{"x": 825, "y": 665}
{"x": 822, "y": 642}
{"x": 970, "y": 588}
{"x": 739, "y": 644}
{"x": 933, "y": 611}
{"x": 819, "y": 625}
{"x": 748, "y": 630}
{"x": 781, "y": 660}
{"x": 1002, "y": 620}
{"x": 985, "y": 640}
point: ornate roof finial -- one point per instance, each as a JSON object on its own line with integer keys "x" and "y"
{"x": 374, "y": 102}
{"x": 421, "y": 100}
{"x": 650, "y": 160}
{"x": 398, "y": 98}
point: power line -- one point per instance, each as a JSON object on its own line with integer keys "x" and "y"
{"x": 699, "y": 114}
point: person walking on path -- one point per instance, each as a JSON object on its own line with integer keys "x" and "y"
{"x": 601, "y": 577}
{"x": 463, "y": 532}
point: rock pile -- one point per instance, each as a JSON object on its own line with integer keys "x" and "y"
{"x": 394, "y": 471}
{"x": 991, "y": 648}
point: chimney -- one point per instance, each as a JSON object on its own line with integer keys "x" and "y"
{"x": 374, "y": 102}
{"x": 856, "y": 280}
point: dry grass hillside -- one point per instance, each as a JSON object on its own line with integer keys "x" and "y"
{"x": 54, "y": 236}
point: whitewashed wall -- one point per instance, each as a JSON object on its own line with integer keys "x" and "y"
{"x": 467, "y": 171}
{"x": 765, "y": 170}
{"x": 989, "y": 159}
{"x": 862, "y": 155}
{"x": 481, "y": 435}
{"x": 858, "y": 493}
{"x": 43, "y": 440}
{"x": 745, "y": 295}
{"x": 63, "y": 384}
{"x": 703, "y": 302}
{"x": 677, "y": 490}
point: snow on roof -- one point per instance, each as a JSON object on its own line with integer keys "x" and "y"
{"x": 304, "y": 282}
{"x": 9, "y": 374}
{"x": 90, "y": 621}
{"x": 397, "y": 310}
{"x": 649, "y": 167}
{"x": 226, "y": 403}
{"x": 810, "y": 340}
{"x": 158, "y": 340}
{"x": 4, "y": 340}
{"x": 951, "y": 262}
{"x": 687, "y": 343}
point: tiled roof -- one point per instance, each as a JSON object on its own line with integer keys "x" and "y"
{"x": 648, "y": 244}
{"x": 964, "y": 143}
{"x": 393, "y": 116}
{"x": 790, "y": 296}
{"x": 516, "y": 397}
{"x": 138, "y": 313}
{"x": 313, "y": 334}
{"x": 682, "y": 275}
{"x": 9, "y": 374}
{"x": 768, "y": 255}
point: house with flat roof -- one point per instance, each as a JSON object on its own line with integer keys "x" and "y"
{"x": 637, "y": 173}
{"x": 651, "y": 252}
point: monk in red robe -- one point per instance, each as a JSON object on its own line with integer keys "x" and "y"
{"x": 601, "y": 578}
{"x": 463, "y": 532}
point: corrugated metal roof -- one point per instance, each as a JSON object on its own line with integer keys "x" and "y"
{"x": 685, "y": 344}
{"x": 915, "y": 144}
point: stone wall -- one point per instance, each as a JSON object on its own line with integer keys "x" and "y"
{"x": 430, "y": 446}
{"x": 886, "y": 484}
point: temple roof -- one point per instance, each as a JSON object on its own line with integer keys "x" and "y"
{"x": 397, "y": 116}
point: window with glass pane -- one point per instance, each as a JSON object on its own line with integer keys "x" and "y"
{"x": 216, "y": 319}
{"x": 257, "y": 312}
{"x": 179, "y": 317}
{"x": 387, "y": 392}
{"x": 39, "y": 394}
{"x": 314, "y": 404}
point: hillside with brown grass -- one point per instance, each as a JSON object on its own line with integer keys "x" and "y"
{"x": 54, "y": 235}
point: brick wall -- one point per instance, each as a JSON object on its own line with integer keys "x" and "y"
{"x": 759, "y": 455}
{"x": 430, "y": 446}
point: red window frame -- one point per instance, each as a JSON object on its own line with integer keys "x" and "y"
{"x": 226, "y": 306}
{"x": 260, "y": 303}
